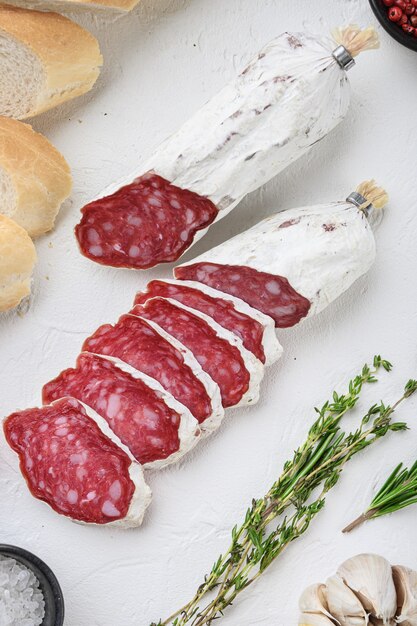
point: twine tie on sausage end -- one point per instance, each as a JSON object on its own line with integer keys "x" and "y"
{"x": 352, "y": 41}
{"x": 368, "y": 196}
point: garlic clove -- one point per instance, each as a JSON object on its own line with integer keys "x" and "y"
{"x": 313, "y": 600}
{"x": 378, "y": 622}
{"x": 314, "y": 619}
{"x": 343, "y": 604}
{"x": 405, "y": 581}
{"x": 370, "y": 577}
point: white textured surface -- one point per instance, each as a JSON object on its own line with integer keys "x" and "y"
{"x": 163, "y": 62}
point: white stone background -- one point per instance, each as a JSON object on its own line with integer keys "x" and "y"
{"x": 161, "y": 63}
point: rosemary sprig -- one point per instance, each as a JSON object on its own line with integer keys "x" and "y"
{"x": 315, "y": 468}
{"x": 398, "y": 492}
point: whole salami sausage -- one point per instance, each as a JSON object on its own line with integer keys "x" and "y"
{"x": 73, "y": 462}
{"x": 287, "y": 99}
{"x": 147, "y": 348}
{"x": 295, "y": 263}
{"x": 156, "y": 428}
{"x": 254, "y": 329}
{"x": 220, "y": 353}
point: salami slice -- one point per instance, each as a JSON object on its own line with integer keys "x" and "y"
{"x": 150, "y": 350}
{"x": 273, "y": 295}
{"x": 72, "y": 461}
{"x": 220, "y": 353}
{"x": 255, "y": 330}
{"x": 292, "y": 264}
{"x": 156, "y": 429}
{"x": 144, "y": 223}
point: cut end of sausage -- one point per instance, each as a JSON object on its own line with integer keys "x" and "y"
{"x": 272, "y": 295}
{"x": 143, "y": 224}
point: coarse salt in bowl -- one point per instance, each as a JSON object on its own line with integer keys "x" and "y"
{"x": 21, "y": 599}
{"x": 30, "y": 594}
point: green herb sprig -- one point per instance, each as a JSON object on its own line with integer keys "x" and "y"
{"x": 315, "y": 467}
{"x": 398, "y": 492}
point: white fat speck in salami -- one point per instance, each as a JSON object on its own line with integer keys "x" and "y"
{"x": 288, "y": 98}
{"x": 292, "y": 264}
{"x": 156, "y": 429}
{"x": 109, "y": 490}
{"x": 220, "y": 353}
{"x": 254, "y": 329}
{"x": 147, "y": 348}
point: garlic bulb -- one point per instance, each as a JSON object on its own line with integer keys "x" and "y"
{"x": 314, "y": 619}
{"x": 343, "y": 604}
{"x": 313, "y": 600}
{"x": 366, "y": 591}
{"x": 405, "y": 581}
{"x": 370, "y": 577}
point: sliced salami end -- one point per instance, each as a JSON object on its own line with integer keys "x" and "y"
{"x": 153, "y": 432}
{"x": 249, "y": 330}
{"x": 142, "y": 224}
{"x": 139, "y": 344}
{"x": 69, "y": 463}
{"x": 273, "y": 295}
{"x": 219, "y": 358}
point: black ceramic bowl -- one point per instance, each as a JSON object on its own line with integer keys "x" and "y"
{"x": 381, "y": 13}
{"x": 54, "y": 602}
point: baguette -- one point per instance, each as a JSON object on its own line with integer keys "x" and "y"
{"x": 45, "y": 59}
{"x": 34, "y": 177}
{"x": 118, "y": 5}
{"x": 17, "y": 259}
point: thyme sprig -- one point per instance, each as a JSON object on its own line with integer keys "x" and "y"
{"x": 314, "y": 469}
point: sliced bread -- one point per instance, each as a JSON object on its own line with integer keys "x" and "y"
{"x": 45, "y": 59}
{"x": 34, "y": 177}
{"x": 119, "y": 5}
{"x": 17, "y": 259}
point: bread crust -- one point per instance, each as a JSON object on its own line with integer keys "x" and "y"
{"x": 69, "y": 54}
{"x": 40, "y": 175}
{"x": 121, "y": 5}
{"x": 17, "y": 259}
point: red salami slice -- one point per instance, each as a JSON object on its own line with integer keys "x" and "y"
{"x": 142, "y": 224}
{"x": 137, "y": 343}
{"x": 222, "y": 311}
{"x": 221, "y": 360}
{"x": 72, "y": 465}
{"x": 137, "y": 414}
{"x": 273, "y": 295}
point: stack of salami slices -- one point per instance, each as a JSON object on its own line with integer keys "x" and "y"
{"x": 145, "y": 390}
{"x": 142, "y": 394}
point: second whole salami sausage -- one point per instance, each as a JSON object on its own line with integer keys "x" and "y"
{"x": 295, "y": 263}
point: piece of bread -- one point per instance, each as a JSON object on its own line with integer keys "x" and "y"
{"x": 119, "y": 5}
{"x": 17, "y": 259}
{"x": 35, "y": 179}
{"x": 45, "y": 59}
